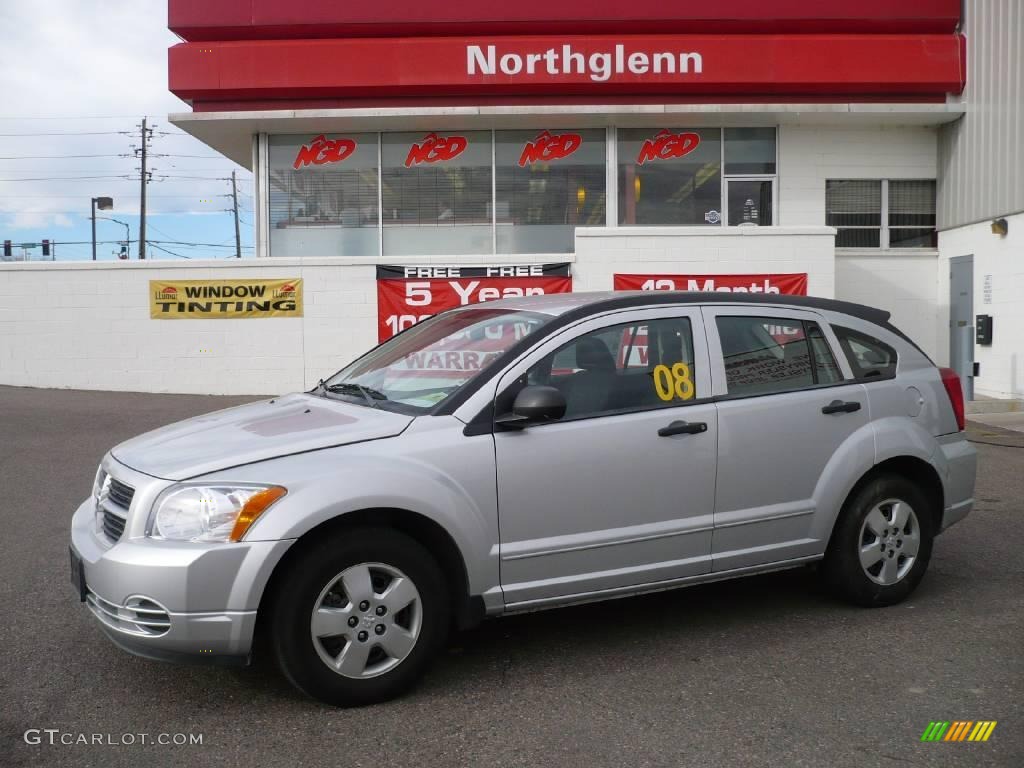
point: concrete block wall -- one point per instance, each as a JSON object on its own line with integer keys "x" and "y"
{"x": 905, "y": 284}
{"x": 601, "y": 252}
{"x": 808, "y": 156}
{"x": 1002, "y": 363}
{"x": 86, "y": 325}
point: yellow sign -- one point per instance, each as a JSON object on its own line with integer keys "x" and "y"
{"x": 224, "y": 299}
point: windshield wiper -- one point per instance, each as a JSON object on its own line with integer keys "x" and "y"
{"x": 371, "y": 396}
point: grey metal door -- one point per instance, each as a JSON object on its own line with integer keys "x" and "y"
{"x": 961, "y": 320}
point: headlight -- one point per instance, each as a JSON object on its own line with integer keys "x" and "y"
{"x": 100, "y": 485}
{"x": 210, "y": 512}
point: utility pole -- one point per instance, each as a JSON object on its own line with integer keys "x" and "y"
{"x": 234, "y": 205}
{"x": 143, "y": 176}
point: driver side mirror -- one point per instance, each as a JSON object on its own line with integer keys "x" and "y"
{"x": 535, "y": 404}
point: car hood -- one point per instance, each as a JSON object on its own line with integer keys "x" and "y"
{"x": 254, "y": 432}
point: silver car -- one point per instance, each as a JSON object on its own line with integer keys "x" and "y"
{"x": 522, "y": 454}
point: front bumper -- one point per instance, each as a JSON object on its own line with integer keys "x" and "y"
{"x": 177, "y": 601}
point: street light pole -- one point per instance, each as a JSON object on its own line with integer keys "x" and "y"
{"x": 127, "y": 232}
{"x": 104, "y": 204}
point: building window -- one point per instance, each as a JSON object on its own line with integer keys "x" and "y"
{"x": 881, "y": 214}
{"x": 547, "y": 183}
{"x": 323, "y": 195}
{"x": 912, "y": 214}
{"x": 671, "y": 176}
{"x": 436, "y": 193}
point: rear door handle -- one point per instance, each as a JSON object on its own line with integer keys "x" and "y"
{"x": 838, "y": 406}
{"x": 683, "y": 428}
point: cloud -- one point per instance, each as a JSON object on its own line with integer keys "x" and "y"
{"x": 37, "y": 221}
{"x": 89, "y": 67}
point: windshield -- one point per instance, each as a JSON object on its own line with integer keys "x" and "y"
{"x": 416, "y": 370}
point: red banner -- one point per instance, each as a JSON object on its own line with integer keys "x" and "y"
{"x": 406, "y": 295}
{"x": 808, "y": 67}
{"x": 792, "y": 284}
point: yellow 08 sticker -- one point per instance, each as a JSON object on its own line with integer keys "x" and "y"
{"x": 673, "y": 383}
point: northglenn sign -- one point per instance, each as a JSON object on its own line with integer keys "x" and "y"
{"x": 809, "y": 66}
{"x": 599, "y": 66}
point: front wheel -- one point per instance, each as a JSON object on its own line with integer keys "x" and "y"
{"x": 359, "y": 616}
{"x": 882, "y": 542}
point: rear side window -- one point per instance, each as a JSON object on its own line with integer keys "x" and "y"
{"x": 771, "y": 354}
{"x": 869, "y": 358}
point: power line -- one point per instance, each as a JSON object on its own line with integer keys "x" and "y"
{"x": 72, "y": 133}
{"x": 54, "y": 157}
{"x": 165, "y": 250}
{"x": 66, "y": 178}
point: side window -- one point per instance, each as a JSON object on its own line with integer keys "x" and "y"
{"x": 771, "y": 354}
{"x": 869, "y": 358}
{"x": 627, "y": 367}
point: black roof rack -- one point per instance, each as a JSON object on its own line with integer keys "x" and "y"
{"x": 640, "y": 298}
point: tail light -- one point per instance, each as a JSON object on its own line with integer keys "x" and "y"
{"x": 956, "y": 394}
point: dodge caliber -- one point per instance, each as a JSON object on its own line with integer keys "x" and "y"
{"x": 523, "y": 454}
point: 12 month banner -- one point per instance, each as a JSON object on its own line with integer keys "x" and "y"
{"x": 791, "y": 284}
{"x": 224, "y": 299}
{"x": 406, "y": 295}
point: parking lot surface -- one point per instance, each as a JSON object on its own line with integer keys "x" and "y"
{"x": 764, "y": 671}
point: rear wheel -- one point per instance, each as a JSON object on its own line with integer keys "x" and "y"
{"x": 882, "y": 542}
{"x": 358, "y": 618}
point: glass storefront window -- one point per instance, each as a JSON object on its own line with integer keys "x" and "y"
{"x": 323, "y": 195}
{"x": 548, "y": 183}
{"x": 436, "y": 193}
{"x": 749, "y": 202}
{"x": 670, "y": 177}
{"x": 749, "y": 151}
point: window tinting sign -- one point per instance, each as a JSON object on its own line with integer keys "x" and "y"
{"x": 224, "y": 299}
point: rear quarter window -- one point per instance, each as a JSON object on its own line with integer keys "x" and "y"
{"x": 869, "y": 358}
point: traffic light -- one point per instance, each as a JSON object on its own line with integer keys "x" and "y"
{"x": 8, "y": 250}
{"x": 46, "y": 247}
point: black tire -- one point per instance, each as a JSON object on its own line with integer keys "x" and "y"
{"x": 842, "y": 567}
{"x": 308, "y": 576}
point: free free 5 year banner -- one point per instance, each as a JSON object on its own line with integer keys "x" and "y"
{"x": 224, "y": 299}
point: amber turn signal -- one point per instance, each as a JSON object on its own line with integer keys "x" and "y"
{"x": 254, "y": 507}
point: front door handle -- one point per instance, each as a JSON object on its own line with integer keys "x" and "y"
{"x": 838, "y": 406}
{"x": 683, "y": 428}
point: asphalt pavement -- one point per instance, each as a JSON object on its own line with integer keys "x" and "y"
{"x": 763, "y": 671}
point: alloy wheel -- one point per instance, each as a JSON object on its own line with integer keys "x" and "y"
{"x": 367, "y": 620}
{"x": 889, "y": 541}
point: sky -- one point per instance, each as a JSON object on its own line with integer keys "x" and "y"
{"x": 75, "y": 82}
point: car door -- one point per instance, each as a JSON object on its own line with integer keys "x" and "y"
{"x": 599, "y": 500}
{"x": 785, "y": 407}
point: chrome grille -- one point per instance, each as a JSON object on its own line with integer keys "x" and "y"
{"x": 138, "y": 616}
{"x": 120, "y": 494}
{"x": 113, "y": 524}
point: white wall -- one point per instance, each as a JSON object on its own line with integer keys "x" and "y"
{"x": 810, "y": 155}
{"x": 904, "y": 284}
{"x": 601, "y": 252}
{"x": 87, "y": 326}
{"x": 1002, "y": 364}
